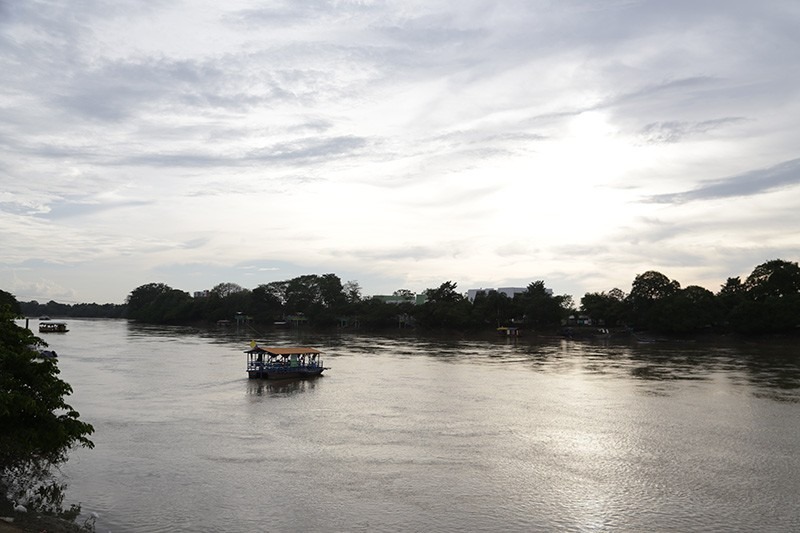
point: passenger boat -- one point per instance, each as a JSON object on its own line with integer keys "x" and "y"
{"x": 288, "y": 362}
{"x": 53, "y": 327}
{"x": 509, "y": 331}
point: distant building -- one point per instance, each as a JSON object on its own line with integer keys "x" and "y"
{"x": 201, "y": 294}
{"x": 511, "y": 291}
{"x": 473, "y": 293}
{"x": 508, "y": 291}
{"x": 394, "y": 299}
{"x": 416, "y": 299}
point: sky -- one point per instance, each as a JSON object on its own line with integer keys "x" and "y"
{"x": 398, "y": 144}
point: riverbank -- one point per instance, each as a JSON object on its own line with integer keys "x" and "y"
{"x": 40, "y": 524}
{"x": 5, "y": 527}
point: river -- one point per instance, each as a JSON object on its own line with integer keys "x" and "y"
{"x": 408, "y": 433}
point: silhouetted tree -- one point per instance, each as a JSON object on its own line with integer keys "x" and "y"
{"x": 771, "y": 302}
{"x": 374, "y": 313}
{"x": 352, "y": 292}
{"x": 267, "y": 305}
{"x": 731, "y": 294}
{"x": 540, "y": 307}
{"x": 773, "y": 279}
{"x": 444, "y": 308}
{"x": 492, "y": 308}
{"x": 403, "y": 293}
{"x": 158, "y": 303}
{"x": 688, "y": 310}
{"x": 648, "y": 289}
{"x": 608, "y": 307}
{"x": 37, "y": 426}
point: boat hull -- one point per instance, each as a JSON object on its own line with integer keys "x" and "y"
{"x": 281, "y": 373}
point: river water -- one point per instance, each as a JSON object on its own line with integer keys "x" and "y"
{"x": 408, "y": 433}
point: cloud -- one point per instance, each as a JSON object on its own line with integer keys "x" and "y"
{"x": 285, "y": 13}
{"x": 782, "y": 175}
{"x": 301, "y": 151}
{"x": 405, "y": 253}
{"x": 675, "y": 131}
{"x": 395, "y": 142}
{"x": 66, "y": 209}
{"x": 310, "y": 149}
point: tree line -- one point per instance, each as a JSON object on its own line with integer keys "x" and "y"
{"x": 324, "y": 301}
{"x": 80, "y": 310}
{"x": 767, "y": 301}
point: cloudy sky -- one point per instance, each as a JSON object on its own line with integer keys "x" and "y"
{"x": 399, "y": 144}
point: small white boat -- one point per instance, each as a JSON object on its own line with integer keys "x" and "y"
{"x": 53, "y": 327}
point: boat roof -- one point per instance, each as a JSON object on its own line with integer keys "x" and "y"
{"x": 284, "y": 350}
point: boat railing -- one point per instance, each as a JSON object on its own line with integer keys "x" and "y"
{"x": 256, "y": 365}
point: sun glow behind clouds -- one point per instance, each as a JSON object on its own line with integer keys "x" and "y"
{"x": 592, "y": 151}
{"x": 567, "y": 181}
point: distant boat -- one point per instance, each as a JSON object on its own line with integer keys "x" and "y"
{"x": 53, "y": 327}
{"x": 291, "y": 362}
{"x": 509, "y": 331}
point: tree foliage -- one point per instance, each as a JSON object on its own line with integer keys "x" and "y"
{"x": 267, "y": 302}
{"x": 650, "y": 287}
{"x": 444, "y": 308}
{"x": 158, "y": 303}
{"x": 609, "y": 309}
{"x": 686, "y": 311}
{"x": 226, "y": 300}
{"x": 38, "y": 426}
{"x": 649, "y": 291}
{"x": 769, "y": 299}
{"x": 731, "y": 293}
{"x": 773, "y": 279}
{"x": 352, "y": 292}
{"x": 493, "y": 308}
{"x": 88, "y": 310}
{"x": 540, "y": 308}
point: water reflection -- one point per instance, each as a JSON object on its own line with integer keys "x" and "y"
{"x": 773, "y": 368}
{"x": 770, "y": 369}
{"x": 776, "y": 370}
{"x": 283, "y": 387}
{"x": 136, "y": 329}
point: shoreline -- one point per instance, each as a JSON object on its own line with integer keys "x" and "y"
{"x": 40, "y": 524}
